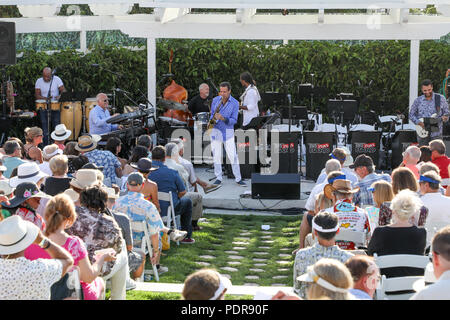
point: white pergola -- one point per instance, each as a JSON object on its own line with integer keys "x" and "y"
{"x": 383, "y": 20}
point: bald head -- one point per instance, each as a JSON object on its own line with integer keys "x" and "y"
{"x": 47, "y": 74}
{"x": 102, "y": 100}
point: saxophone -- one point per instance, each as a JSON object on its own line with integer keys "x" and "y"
{"x": 212, "y": 122}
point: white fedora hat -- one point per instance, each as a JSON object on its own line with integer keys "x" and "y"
{"x": 27, "y": 172}
{"x": 61, "y": 133}
{"x": 16, "y": 235}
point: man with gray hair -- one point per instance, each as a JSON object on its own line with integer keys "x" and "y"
{"x": 411, "y": 157}
{"x": 172, "y": 162}
{"x": 341, "y": 155}
{"x": 99, "y": 115}
{"x": 146, "y": 141}
{"x": 12, "y": 159}
{"x": 200, "y": 103}
{"x": 439, "y": 158}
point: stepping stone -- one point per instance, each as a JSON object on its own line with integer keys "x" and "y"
{"x": 240, "y": 243}
{"x": 236, "y": 257}
{"x": 229, "y": 269}
{"x": 286, "y": 249}
{"x": 205, "y": 264}
{"x": 259, "y": 260}
{"x": 267, "y": 232}
{"x": 251, "y": 284}
{"x": 244, "y": 230}
{"x": 260, "y": 253}
{"x": 285, "y": 255}
{"x": 206, "y": 257}
{"x": 283, "y": 262}
{"x": 234, "y": 263}
{"x": 267, "y": 241}
{"x": 244, "y": 238}
{"x": 266, "y": 237}
{"x": 264, "y": 247}
{"x": 280, "y": 277}
{"x": 252, "y": 277}
{"x": 283, "y": 270}
{"x": 239, "y": 248}
{"x": 231, "y": 252}
{"x": 278, "y": 285}
{"x": 256, "y": 270}
{"x": 260, "y": 264}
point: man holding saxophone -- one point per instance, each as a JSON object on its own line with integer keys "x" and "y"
{"x": 224, "y": 114}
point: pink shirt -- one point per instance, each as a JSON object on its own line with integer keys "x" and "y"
{"x": 77, "y": 249}
{"x": 414, "y": 169}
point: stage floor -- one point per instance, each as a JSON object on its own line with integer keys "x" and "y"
{"x": 233, "y": 197}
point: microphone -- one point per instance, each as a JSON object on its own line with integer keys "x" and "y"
{"x": 54, "y": 71}
{"x": 95, "y": 65}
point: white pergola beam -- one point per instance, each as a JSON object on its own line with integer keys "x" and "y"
{"x": 414, "y": 70}
{"x": 165, "y": 15}
{"x": 244, "y": 15}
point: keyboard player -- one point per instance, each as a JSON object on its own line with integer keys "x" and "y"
{"x": 99, "y": 115}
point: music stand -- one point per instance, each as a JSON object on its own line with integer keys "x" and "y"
{"x": 255, "y": 123}
{"x": 273, "y": 99}
{"x": 308, "y": 91}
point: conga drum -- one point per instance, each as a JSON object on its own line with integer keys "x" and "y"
{"x": 42, "y": 104}
{"x": 72, "y": 117}
{"x": 89, "y": 104}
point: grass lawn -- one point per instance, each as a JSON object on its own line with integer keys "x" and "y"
{"x": 237, "y": 242}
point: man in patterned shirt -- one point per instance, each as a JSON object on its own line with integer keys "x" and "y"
{"x": 137, "y": 208}
{"x": 103, "y": 158}
{"x": 425, "y": 106}
{"x": 325, "y": 227}
{"x": 365, "y": 170}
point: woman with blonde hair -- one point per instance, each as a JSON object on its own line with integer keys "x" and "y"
{"x": 205, "y": 284}
{"x": 401, "y": 236}
{"x": 33, "y": 137}
{"x": 403, "y": 179}
{"x": 382, "y": 194}
{"x": 330, "y": 279}
{"x": 60, "y": 214}
{"x": 59, "y": 181}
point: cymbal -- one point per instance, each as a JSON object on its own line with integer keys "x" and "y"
{"x": 168, "y": 104}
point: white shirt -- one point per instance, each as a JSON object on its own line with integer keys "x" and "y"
{"x": 440, "y": 290}
{"x": 250, "y": 100}
{"x": 44, "y": 86}
{"x": 311, "y": 202}
{"x": 23, "y": 279}
{"x": 172, "y": 164}
{"x": 349, "y": 175}
{"x": 438, "y": 207}
{"x": 189, "y": 167}
{"x": 45, "y": 167}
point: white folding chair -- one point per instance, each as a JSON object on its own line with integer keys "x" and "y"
{"x": 146, "y": 244}
{"x": 73, "y": 282}
{"x": 357, "y": 237}
{"x": 432, "y": 228}
{"x": 170, "y": 217}
{"x": 388, "y": 285}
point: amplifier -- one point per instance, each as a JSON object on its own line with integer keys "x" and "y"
{"x": 277, "y": 186}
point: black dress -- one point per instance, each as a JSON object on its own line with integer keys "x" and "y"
{"x": 54, "y": 186}
{"x": 388, "y": 240}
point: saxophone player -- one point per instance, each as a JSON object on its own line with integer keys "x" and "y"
{"x": 224, "y": 112}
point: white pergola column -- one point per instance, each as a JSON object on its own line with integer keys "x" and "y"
{"x": 151, "y": 70}
{"x": 414, "y": 70}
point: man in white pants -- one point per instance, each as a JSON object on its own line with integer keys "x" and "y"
{"x": 223, "y": 132}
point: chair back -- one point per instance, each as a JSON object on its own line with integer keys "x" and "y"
{"x": 357, "y": 237}
{"x": 146, "y": 244}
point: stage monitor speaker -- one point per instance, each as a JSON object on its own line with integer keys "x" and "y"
{"x": 278, "y": 186}
{"x": 402, "y": 139}
{"x": 7, "y": 43}
{"x": 366, "y": 142}
{"x": 287, "y": 149}
{"x": 318, "y": 145}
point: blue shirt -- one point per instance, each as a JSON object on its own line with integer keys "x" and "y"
{"x": 364, "y": 196}
{"x": 106, "y": 159}
{"x": 139, "y": 209}
{"x": 359, "y": 294}
{"x": 11, "y": 163}
{"x": 167, "y": 180}
{"x": 230, "y": 112}
{"x": 423, "y": 108}
{"x": 97, "y": 121}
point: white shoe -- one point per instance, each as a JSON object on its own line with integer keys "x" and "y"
{"x": 161, "y": 270}
{"x": 130, "y": 284}
{"x": 177, "y": 235}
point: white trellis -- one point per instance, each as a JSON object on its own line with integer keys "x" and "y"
{"x": 383, "y": 20}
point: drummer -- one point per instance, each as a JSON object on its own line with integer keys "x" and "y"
{"x": 41, "y": 92}
{"x": 200, "y": 102}
{"x": 98, "y": 116}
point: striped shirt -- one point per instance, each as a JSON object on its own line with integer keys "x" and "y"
{"x": 423, "y": 108}
{"x": 364, "y": 196}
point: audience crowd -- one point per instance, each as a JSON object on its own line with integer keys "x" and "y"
{"x": 69, "y": 209}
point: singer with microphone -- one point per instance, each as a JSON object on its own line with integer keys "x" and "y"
{"x": 99, "y": 115}
{"x": 49, "y": 86}
{"x": 249, "y": 99}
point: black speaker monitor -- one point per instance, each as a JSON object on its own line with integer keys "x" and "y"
{"x": 7, "y": 43}
{"x": 402, "y": 139}
{"x": 318, "y": 145}
{"x": 278, "y": 186}
{"x": 366, "y": 142}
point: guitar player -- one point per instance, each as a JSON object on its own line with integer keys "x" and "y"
{"x": 429, "y": 105}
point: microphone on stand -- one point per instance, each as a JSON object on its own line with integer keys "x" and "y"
{"x": 54, "y": 71}
{"x": 95, "y": 65}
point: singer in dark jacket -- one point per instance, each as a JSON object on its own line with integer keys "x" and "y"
{"x": 99, "y": 115}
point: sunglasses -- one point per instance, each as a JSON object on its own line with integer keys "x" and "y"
{"x": 105, "y": 100}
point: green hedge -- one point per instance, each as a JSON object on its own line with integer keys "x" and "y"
{"x": 336, "y": 65}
